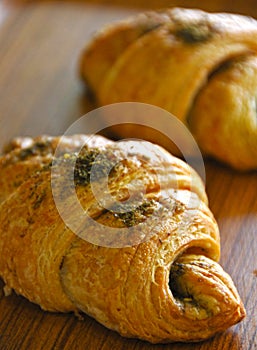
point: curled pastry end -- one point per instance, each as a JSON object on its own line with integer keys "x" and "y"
{"x": 205, "y": 294}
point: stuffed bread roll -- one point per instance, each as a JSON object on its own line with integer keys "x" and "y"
{"x": 201, "y": 67}
{"x": 155, "y": 276}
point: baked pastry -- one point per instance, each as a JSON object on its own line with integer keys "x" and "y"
{"x": 159, "y": 281}
{"x": 25, "y": 155}
{"x": 201, "y": 67}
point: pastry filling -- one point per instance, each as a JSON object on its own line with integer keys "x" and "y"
{"x": 187, "y": 282}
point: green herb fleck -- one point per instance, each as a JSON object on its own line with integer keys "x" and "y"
{"x": 102, "y": 162}
{"x": 136, "y": 214}
{"x": 194, "y": 33}
{"x": 39, "y": 199}
{"x": 36, "y": 149}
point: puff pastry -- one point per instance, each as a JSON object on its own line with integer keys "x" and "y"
{"x": 169, "y": 287}
{"x": 201, "y": 67}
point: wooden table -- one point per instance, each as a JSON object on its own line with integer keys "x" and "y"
{"x": 40, "y": 93}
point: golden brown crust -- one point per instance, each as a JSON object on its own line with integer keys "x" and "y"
{"x": 234, "y": 88}
{"x": 176, "y": 66}
{"x": 103, "y": 44}
{"x": 168, "y": 287}
{"x": 23, "y": 156}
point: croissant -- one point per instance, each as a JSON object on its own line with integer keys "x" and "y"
{"x": 201, "y": 67}
{"x": 158, "y": 281}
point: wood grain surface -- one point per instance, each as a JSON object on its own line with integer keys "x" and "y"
{"x": 40, "y": 93}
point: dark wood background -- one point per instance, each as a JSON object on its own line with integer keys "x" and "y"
{"x": 40, "y": 93}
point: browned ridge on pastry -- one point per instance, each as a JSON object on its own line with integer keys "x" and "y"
{"x": 201, "y": 67}
{"x": 168, "y": 287}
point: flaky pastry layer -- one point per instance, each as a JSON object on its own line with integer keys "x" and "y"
{"x": 159, "y": 281}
